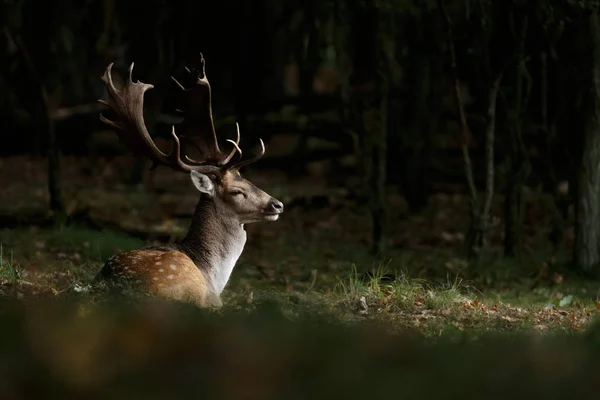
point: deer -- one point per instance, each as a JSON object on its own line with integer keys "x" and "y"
{"x": 196, "y": 269}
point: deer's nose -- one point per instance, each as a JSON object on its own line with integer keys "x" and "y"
{"x": 275, "y": 206}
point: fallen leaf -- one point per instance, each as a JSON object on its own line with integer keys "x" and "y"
{"x": 557, "y": 278}
{"x": 565, "y": 301}
{"x": 362, "y": 305}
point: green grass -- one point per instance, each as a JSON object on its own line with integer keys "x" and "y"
{"x": 329, "y": 282}
{"x": 56, "y": 260}
{"x": 403, "y": 292}
{"x": 89, "y": 245}
{"x": 8, "y": 269}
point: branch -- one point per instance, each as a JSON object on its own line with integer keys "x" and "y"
{"x": 464, "y": 128}
{"x": 523, "y": 72}
{"x": 63, "y": 113}
{"x": 544, "y": 94}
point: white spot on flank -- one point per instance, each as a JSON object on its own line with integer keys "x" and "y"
{"x": 161, "y": 270}
{"x": 155, "y": 279}
{"x": 173, "y": 267}
{"x": 158, "y": 263}
{"x": 169, "y": 276}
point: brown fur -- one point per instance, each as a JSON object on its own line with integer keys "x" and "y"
{"x": 196, "y": 269}
{"x": 170, "y": 274}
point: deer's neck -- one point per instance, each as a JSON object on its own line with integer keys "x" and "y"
{"x": 214, "y": 242}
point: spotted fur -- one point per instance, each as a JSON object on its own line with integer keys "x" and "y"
{"x": 197, "y": 269}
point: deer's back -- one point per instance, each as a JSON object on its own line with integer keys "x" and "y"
{"x": 162, "y": 272}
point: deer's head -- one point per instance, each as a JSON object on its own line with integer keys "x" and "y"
{"x": 236, "y": 196}
{"x": 215, "y": 174}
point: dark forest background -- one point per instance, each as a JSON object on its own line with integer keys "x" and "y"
{"x": 497, "y": 96}
{"x": 439, "y": 162}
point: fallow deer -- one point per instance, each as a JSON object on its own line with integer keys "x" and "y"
{"x": 196, "y": 269}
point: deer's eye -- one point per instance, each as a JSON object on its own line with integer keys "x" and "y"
{"x": 236, "y": 193}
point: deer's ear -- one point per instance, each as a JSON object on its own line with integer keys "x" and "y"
{"x": 202, "y": 183}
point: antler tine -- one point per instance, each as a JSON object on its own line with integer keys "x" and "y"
{"x": 178, "y": 84}
{"x": 203, "y": 65}
{"x": 235, "y": 146}
{"x": 197, "y": 128}
{"x": 175, "y": 157}
{"x": 253, "y": 159}
{"x": 128, "y": 105}
{"x": 131, "y": 71}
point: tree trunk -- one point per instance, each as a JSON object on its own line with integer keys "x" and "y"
{"x": 373, "y": 150}
{"x": 480, "y": 206}
{"x": 414, "y": 146}
{"x": 57, "y": 205}
{"x": 519, "y": 168}
{"x": 560, "y": 193}
{"x": 513, "y": 212}
{"x": 308, "y": 56}
{"x": 422, "y": 113}
{"x": 587, "y": 242}
{"x": 368, "y": 96}
{"x": 481, "y": 209}
{"x": 45, "y": 130}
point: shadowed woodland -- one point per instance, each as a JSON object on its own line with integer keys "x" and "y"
{"x": 439, "y": 164}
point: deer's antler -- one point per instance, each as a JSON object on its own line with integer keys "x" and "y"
{"x": 196, "y": 130}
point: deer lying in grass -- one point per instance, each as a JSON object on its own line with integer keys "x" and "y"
{"x": 196, "y": 269}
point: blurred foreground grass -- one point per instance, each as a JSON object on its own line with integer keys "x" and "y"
{"x": 157, "y": 350}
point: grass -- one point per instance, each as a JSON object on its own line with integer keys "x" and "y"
{"x": 65, "y": 259}
{"x": 77, "y": 242}
{"x": 401, "y": 291}
{"x": 8, "y": 269}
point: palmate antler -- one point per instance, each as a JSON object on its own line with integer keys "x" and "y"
{"x": 196, "y": 130}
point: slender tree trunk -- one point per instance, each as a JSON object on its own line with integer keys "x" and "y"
{"x": 425, "y": 72}
{"x": 477, "y": 239}
{"x": 414, "y": 145}
{"x": 513, "y": 212}
{"x": 587, "y": 242}
{"x": 368, "y": 96}
{"x": 45, "y": 130}
{"x": 373, "y": 147}
{"x": 559, "y": 197}
{"x": 57, "y": 205}
{"x": 308, "y": 57}
{"x": 519, "y": 168}
{"x": 480, "y": 210}
{"x": 277, "y": 33}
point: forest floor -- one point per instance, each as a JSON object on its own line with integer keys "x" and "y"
{"x": 312, "y": 264}
{"x": 315, "y": 259}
